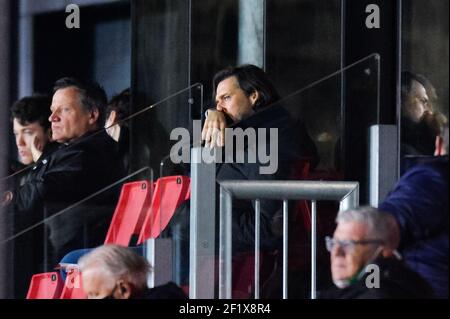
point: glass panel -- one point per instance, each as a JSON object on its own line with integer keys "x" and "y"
{"x": 296, "y": 147}
{"x": 77, "y": 214}
{"x": 424, "y": 91}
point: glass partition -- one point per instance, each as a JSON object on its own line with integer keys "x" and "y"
{"x": 424, "y": 97}
{"x": 299, "y": 137}
{"x": 73, "y": 211}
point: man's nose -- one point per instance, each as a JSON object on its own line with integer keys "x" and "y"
{"x": 53, "y": 117}
{"x": 338, "y": 250}
{"x": 20, "y": 141}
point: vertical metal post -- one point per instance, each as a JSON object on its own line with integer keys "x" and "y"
{"x": 383, "y": 161}
{"x": 251, "y": 32}
{"x": 285, "y": 249}
{"x": 202, "y": 227}
{"x": 225, "y": 272}
{"x": 313, "y": 248}
{"x": 351, "y": 200}
{"x": 149, "y": 253}
{"x": 6, "y": 63}
{"x": 158, "y": 252}
{"x": 257, "y": 245}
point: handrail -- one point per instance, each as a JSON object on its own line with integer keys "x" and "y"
{"x": 345, "y": 192}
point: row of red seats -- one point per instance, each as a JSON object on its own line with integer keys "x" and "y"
{"x": 144, "y": 209}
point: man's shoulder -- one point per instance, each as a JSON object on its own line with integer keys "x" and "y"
{"x": 433, "y": 163}
{"x": 397, "y": 280}
{"x": 93, "y": 144}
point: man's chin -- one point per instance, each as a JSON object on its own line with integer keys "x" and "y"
{"x": 341, "y": 283}
{"x": 60, "y": 140}
{"x": 26, "y": 161}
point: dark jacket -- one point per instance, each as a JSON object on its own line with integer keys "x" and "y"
{"x": 29, "y": 248}
{"x": 419, "y": 202}
{"x": 396, "y": 281}
{"x": 167, "y": 291}
{"x": 288, "y": 152}
{"x": 71, "y": 173}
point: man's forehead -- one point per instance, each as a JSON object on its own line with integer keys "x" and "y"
{"x": 67, "y": 92}
{"x": 350, "y": 230}
{"x": 226, "y": 84}
{"x": 418, "y": 87}
{"x": 17, "y": 124}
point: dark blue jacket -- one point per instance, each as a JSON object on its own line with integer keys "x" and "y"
{"x": 419, "y": 202}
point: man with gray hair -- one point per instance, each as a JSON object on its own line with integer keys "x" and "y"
{"x": 116, "y": 272}
{"x": 364, "y": 260}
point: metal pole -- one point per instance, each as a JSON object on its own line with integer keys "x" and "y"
{"x": 257, "y": 245}
{"x": 285, "y": 249}
{"x": 313, "y": 248}
{"x": 225, "y": 245}
{"x": 202, "y": 227}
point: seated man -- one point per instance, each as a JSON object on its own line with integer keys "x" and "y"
{"x": 116, "y": 272}
{"x": 419, "y": 203}
{"x": 32, "y": 132}
{"x": 364, "y": 263}
{"x": 31, "y": 127}
{"x": 245, "y": 100}
{"x": 85, "y": 162}
{"x": 420, "y": 122}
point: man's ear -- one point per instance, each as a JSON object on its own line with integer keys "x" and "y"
{"x": 124, "y": 290}
{"x": 387, "y": 252}
{"x": 93, "y": 116}
{"x": 254, "y": 97}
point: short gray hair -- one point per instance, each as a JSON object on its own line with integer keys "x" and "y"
{"x": 119, "y": 263}
{"x": 380, "y": 225}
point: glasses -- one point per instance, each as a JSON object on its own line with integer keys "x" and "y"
{"x": 348, "y": 246}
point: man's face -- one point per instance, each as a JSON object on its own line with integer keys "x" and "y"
{"x": 416, "y": 102}
{"x": 347, "y": 262}
{"x": 25, "y": 136}
{"x": 231, "y": 99}
{"x": 69, "y": 119}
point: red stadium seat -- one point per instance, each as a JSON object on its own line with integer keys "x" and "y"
{"x": 45, "y": 286}
{"x": 73, "y": 287}
{"x": 169, "y": 193}
{"x": 134, "y": 202}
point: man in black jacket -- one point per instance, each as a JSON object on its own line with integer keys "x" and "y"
{"x": 364, "y": 260}
{"x": 85, "y": 162}
{"x": 247, "y": 101}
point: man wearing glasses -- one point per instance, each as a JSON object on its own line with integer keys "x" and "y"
{"x": 364, "y": 261}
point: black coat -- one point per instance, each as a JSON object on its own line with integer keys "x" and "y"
{"x": 28, "y": 249}
{"x": 396, "y": 281}
{"x": 71, "y": 173}
{"x": 167, "y": 291}
{"x": 292, "y": 138}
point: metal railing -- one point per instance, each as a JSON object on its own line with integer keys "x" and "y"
{"x": 345, "y": 192}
